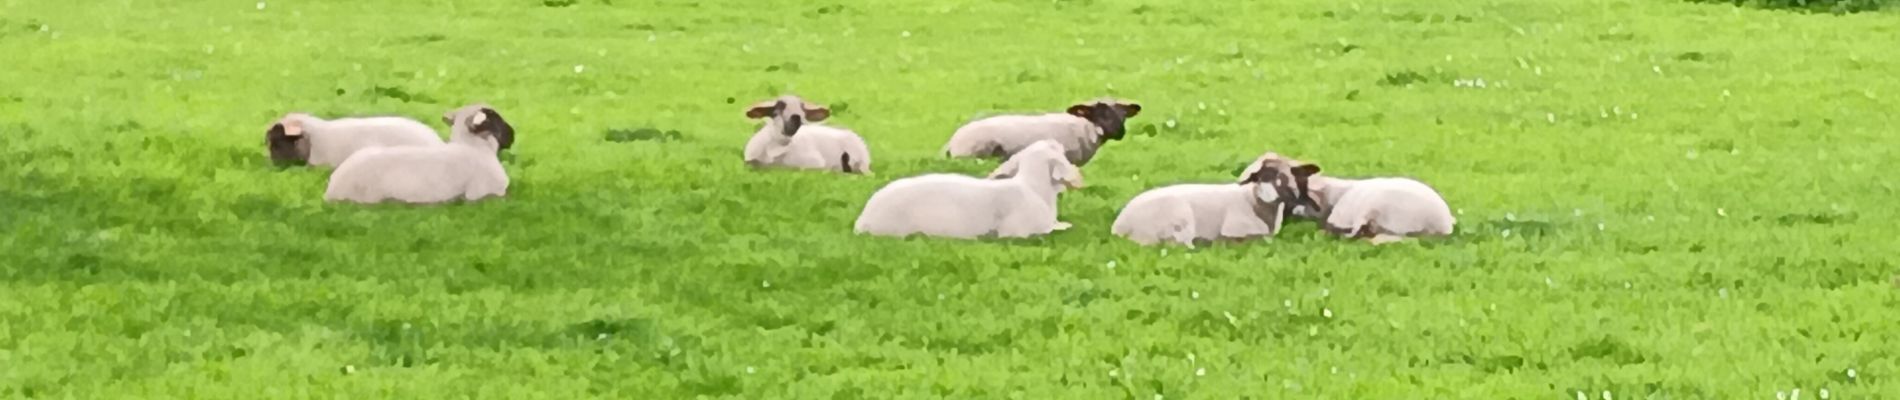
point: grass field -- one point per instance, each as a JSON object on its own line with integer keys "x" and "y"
{"x": 1657, "y": 199}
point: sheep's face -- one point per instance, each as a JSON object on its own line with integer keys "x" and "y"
{"x": 788, "y": 112}
{"x": 494, "y": 127}
{"x": 1282, "y": 181}
{"x": 287, "y": 143}
{"x": 1111, "y": 116}
{"x": 1317, "y": 208}
{"x": 484, "y": 122}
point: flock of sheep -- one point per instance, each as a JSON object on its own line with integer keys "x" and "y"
{"x": 380, "y": 159}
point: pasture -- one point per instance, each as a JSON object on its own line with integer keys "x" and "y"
{"x": 1656, "y": 199}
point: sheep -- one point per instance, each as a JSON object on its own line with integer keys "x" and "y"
{"x": 1016, "y": 200}
{"x": 792, "y": 138}
{"x": 504, "y": 135}
{"x": 1082, "y": 130}
{"x": 465, "y": 168}
{"x": 304, "y": 138}
{"x": 1187, "y": 213}
{"x": 1380, "y": 210}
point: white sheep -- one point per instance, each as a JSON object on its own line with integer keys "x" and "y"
{"x": 301, "y": 137}
{"x": 1017, "y": 200}
{"x": 1082, "y": 131}
{"x": 504, "y": 134}
{"x": 465, "y": 168}
{"x": 1381, "y": 210}
{"x": 1254, "y": 207}
{"x": 792, "y": 137}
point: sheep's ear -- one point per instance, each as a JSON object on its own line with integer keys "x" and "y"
{"x": 1007, "y": 170}
{"x": 477, "y": 120}
{"x": 1129, "y": 109}
{"x": 1306, "y": 170}
{"x": 1081, "y": 110}
{"x": 816, "y": 113}
{"x": 279, "y": 132}
{"x": 762, "y": 109}
{"x": 1253, "y": 171}
{"x": 1067, "y": 175}
{"x": 293, "y": 131}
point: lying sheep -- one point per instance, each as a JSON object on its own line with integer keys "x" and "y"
{"x": 504, "y": 135}
{"x": 465, "y": 168}
{"x": 792, "y": 138}
{"x": 1187, "y": 213}
{"x": 1381, "y": 210}
{"x": 1017, "y": 200}
{"x": 300, "y": 137}
{"x": 1082, "y": 131}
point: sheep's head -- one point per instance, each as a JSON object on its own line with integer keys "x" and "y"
{"x": 484, "y": 123}
{"x": 1042, "y": 154}
{"x": 286, "y": 140}
{"x": 1112, "y": 116}
{"x": 1281, "y": 180}
{"x": 492, "y": 125}
{"x": 788, "y": 112}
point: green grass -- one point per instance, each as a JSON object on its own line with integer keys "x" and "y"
{"x": 1658, "y": 199}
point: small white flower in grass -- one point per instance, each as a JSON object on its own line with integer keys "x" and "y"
{"x": 1823, "y": 393}
{"x": 1632, "y": 115}
{"x": 1195, "y": 294}
{"x": 750, "y": 370}
{"x": 1581, "y": 396}
{"x": 765, "y": 283}
{"x": 579, "y": 68}
{"x": 1510, "y": 216}
{"x": 1191, "y": 359}
{"x": 1114, "y": 373}
{"x": 260, "y": 5}
{"x": 602, "y": 336}
{"x": 1725, "y": 93}
{"x": 1159, "y": 397}
{"x": 1795, "y": 395}
{"x": 906, "y": 33}
{"x": 1111, "y": 264}
{"x": 1851, "y": 375}
{"x": 1170, "y": 123}
{"x": 1164, "y": 252}
{"x": 1606, "y": 395}
{"x": 1200, "y": 372}
{"x": 1312, "y": 330}
{"x": 1507, "y": 233}
{"x": 1721, "y": 212}
{"x": 1780, "y": 395}
{"x": 1288, "y": 303}
{"x": 1599, "y": 226}
{"x": 1552, "y": 117}
{"x": 1539, "y": 71}
{"x": 1626, "y": 285}
{"x": 1335, "y": 370}
{"x": 1230, "y": 318}
{"x": 1325, "y": 292}
{"x": 1549, "y": 282}
{"x": 349, "y": 369}
{"x": 1201, "y": 105}
{"x": 1651, "y": 218}
{"x": 1328, "y": 312}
